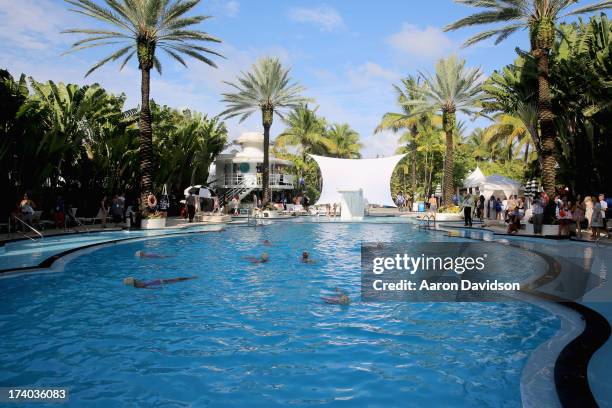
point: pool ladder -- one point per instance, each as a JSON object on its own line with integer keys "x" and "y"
{"x": 427, "y": 222}
{"x": 25, "y": 224}
{"x": 253, "y": 219}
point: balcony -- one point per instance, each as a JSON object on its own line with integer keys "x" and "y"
{"x": 251, "y": 180}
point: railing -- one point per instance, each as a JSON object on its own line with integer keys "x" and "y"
{"x": 253, "y": 180}
{"x": 31, "y": 228}
{"x": 426, "y": 220}
{"x": 254, "y": 218}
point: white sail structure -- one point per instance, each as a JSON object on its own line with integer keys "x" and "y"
{"x": 372, "y": 176}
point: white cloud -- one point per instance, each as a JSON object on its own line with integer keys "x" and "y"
{"x": 380, "y": 144}
{"x": 225, "y": 8}
{"x": 366, "y": 73}
{"x": 33, "y": 24}
{"x": 232, "y": 8}
{"x": 427, "y": 43}
{"x": 323, "y": 16}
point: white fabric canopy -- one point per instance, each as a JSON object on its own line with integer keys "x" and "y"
{"x": 373, "y": 176}
{"x": 474, "y": 179}
{"x": 492, "y": 185}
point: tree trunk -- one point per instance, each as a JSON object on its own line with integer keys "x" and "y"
{"x": 265, "y": 177}
{"x": 425, "y": 189}
{"x": 146, "y": 139}
{"x": 414, "y": 132}
{"x": 527, "y": 153}
{"x": 449, "y": 119}
{"x": 547, "y": 125}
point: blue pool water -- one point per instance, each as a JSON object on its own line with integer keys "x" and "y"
{"x": 259, "y": 335}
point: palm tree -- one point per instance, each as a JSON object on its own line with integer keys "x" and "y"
{"x": 141, "y": 27}
{"x": 539, "y": 17}
{"x": 453, "y": 88}
{"x": 398, "y": 121}
{"x": 267, "y": 88}
{"x": 516, "y": 131}
{"x": 479, "y": 148}
{"x": 344, "y": 141}
{"x": 306, "y": 131}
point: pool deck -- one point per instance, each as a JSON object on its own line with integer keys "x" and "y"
{"x": 172, "y": 223}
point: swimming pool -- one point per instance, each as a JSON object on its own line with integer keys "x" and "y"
{"x": 259, "y": 335}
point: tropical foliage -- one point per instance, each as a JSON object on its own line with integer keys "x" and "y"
{"x": 539, "y": 18}
{"x": 267, "y": 89}
{"x": 80, "y": 142}
{"x": 453, "y": 88}
{"x": 140, "y": 29}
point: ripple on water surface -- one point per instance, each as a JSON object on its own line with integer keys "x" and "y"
{"x": 258, "y": 335}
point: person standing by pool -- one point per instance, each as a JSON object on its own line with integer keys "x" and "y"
{"x": 433, "y": 204}
{"x": 26, "y": 209}
{"x": 492, "y": 207}
{"x": 604, "y": 209}
{"x": 399, "y": 200}
{"x": 190, "y": 202}
{"x": 588, "y": 212}
{"x": 103, "y": 211}
{"x": 596, "y": 220}
{"x": 480, "y": 208}
{"x": 468, "y": 204}
{"x": 565, "y": 217}
{"x": 499, "y": 208}
{"x": 538, "y": 214}
{"x": 235, "y": 203}
{"x": 579, "y": 213}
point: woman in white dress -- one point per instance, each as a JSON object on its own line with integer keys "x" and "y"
{"x": 588, "y": 212}
{"x": 492, "y": 208}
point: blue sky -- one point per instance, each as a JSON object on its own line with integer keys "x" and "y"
{"x": 346, "y": 53}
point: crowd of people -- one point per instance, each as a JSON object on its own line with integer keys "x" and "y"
{"x": 588, "y": 213}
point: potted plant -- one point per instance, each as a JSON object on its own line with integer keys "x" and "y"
{"x": 154, "y": 220}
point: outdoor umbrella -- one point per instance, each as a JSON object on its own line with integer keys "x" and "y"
{"x": 198, "y": 190}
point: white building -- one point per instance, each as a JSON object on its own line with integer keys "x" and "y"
{"x": 240, "y": 172}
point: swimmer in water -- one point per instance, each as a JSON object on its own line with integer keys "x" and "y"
{"x": 267, "y": 243}
{"x": 143, "y": 254}
{"x": 154, "y": 284}
{"x": 262, "y": 259}
{"x": 306, "y": 258}
{"x": 341, "y": 299}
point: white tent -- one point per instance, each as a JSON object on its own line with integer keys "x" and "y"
{"x": 373, "y": 176}
{"x": 474, "y": 179}
{"x": 492, "y": 185}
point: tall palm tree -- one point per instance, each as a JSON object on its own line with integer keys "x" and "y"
{"x": 344, "y": 141}
{"x": 399, "y": 121}
{"x": 141, "y": 27}
{"x": 453, "y": 88}
{"x": 516, "y": 131}
{"x": 479, "y": 148}
{"x": 268, "y": 89}
{"x": 539, "y": 17}
{"x": 306, "y": 131}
